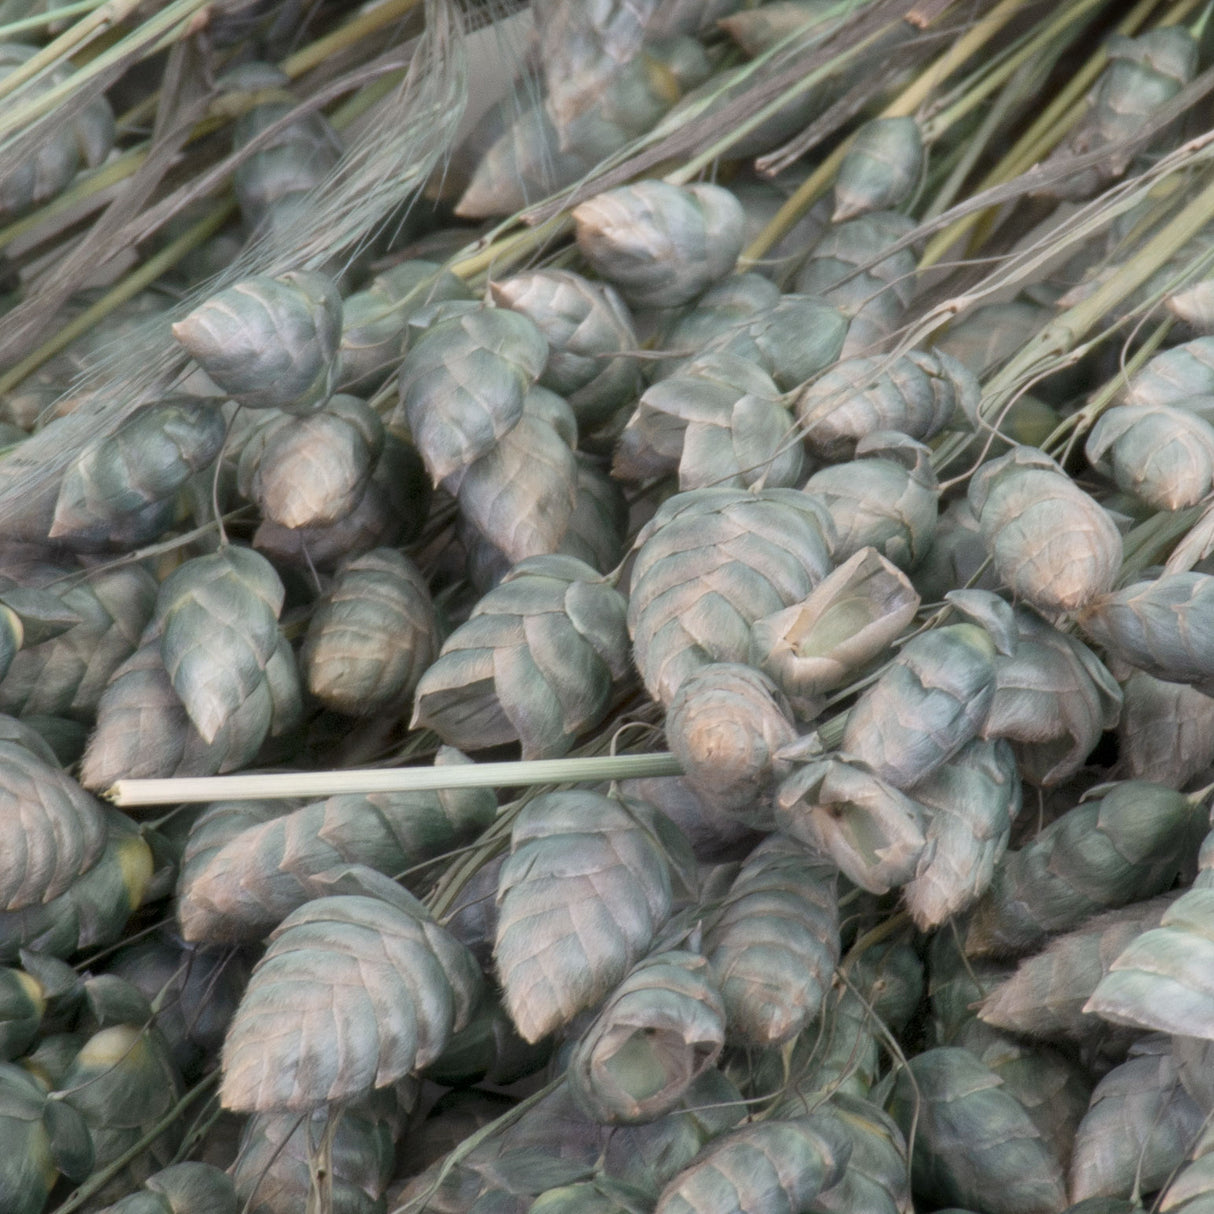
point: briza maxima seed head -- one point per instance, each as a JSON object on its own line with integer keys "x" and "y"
{"x": 775, "y": 942}
{"x": 661, "y": 244}
{"x": 1050, "y": 542}
{"x": 709, "y": 564}
{"x": 270, "y": 342}
{"x": 1165, "y": 627}
{"x": 726, "y": 725}
{"x": 880, "y": 169}
{"x": 1160, "y": 453}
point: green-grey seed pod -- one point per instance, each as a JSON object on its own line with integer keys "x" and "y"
{"x": 956, "y": 985}
{"x": 1162, "y": 627}
{"x": 182, "y": 1188}
{"x": 51, "y": 830}
{"x": 1166, "y": 731}
{"x": 535, "y": 663}
{"x": 286, "y": 164}
{"x": 714, "y": 836}
{"x": 1131, "y": 843}
{"x": 916, "y": 394}
{"x": 775, "y": 943}
{"x": 971, "y": 803}
{"x": 600, "y": 1196}
{"x": 94, "y": 909}
{"x": 375, "y": 319}
{"x": 1053, "y": 1090}
{"x": 1139, "y": 1128}
{"x": 144, "y": 732}
{"x": 521, "y": 494}
{"x": 757, "y": 30}
{"x": 42, "y": 1138}
{"x": 876, "y": 1179}
{"x": 1175, "y": 374}
{"x": 487, "y": 1050}
{"x": 218, "y": 618}
{"x": 581, "y": 49}
{"x": 754, "y": 442}
{"x": 880, "y": 169}
{"x": 275, "y": 1166}
{"x": 313, "y": 470}
{"x": 122, "y": 1083}
{"x": 270, "y": 343}
{"x": 590, "y": 339}
{"x": 660, "y": 244}
{"x": 1161, "y": 979}
{"x": 1162, "y": 454}
{"x": 149, "y": 458}
{"x": 957, "y": 556}
{"x": 706, "y": 389}
{"x": 648, "y": 1156}
{"x": 392, "y": 511}
{"x": 196, "y": 993}
{"x": 725, "y": 306}
{"x": 760, "y": 551}
{"x": 661, "y": 1028}
{"x": 594, "y": 533}
{"x": 776, "y": 1164}
{"x": 873, "y": 832}
{"x": 726, "y": 726}
{"x": 521, "y": 161}
{"x": 83, "y": 139}
{"x": 1142, "y": 74}
{"x": 66, "y": 674}
{"x": 463, "y": 383}
{"x": 1044, "y": 998}
{"x": 931, "y": 700}
{"x": 849, "y": 268}
{"x": 371, "y": 636}
{"x": 792, "y": 337}
{"x": 241, "y": 890}
{"x": 974, "y": 1144}
{"x": 352, "y": 994}
{"x": 886, "y": 498}
{"x": 847, "y": 620}
{"x": 1049, "y": 541}
{"x": 584, "y": 889}
{"x": 22, "y": 1003}
{"x": 1053, "y": 700}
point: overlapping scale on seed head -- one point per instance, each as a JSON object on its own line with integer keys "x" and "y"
{"x": 708, "y": 565}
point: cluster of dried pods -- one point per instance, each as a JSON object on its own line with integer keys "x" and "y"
{"x": 927, "y": 919}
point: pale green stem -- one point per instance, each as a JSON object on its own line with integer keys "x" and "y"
{"x": 9, "y": 32}
{"x": 320, "y": 784}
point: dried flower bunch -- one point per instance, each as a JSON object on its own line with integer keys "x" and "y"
{"x": 606, "y": 606}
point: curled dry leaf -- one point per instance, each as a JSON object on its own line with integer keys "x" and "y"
{"x": 851, "y": 617}
{"x": 661, "y": 1028}
{"x": 873, "y": 832}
